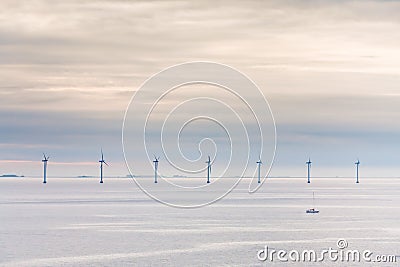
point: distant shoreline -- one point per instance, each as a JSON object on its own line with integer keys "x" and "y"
{"x": 198, "y": 177}
{"x": 11, "y": 176}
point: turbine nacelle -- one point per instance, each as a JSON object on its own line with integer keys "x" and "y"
{"x": 259, "y": 160}
{"x": 102, "y": 159}
{"x": 45, "y": 158}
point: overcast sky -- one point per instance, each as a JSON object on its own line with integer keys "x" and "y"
{"x": 329, "y": 69}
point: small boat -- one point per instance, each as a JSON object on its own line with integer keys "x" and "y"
{"x": 312, "y": 210}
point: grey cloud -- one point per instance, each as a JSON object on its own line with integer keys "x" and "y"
{"x": 329, "y": 68}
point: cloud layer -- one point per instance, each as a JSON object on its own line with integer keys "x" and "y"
{"x": 330, "y": 70}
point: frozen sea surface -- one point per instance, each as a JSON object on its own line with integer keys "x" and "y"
{"x": 79, "y": 222}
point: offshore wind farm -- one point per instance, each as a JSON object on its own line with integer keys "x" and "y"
{"x": 120, "y": 213}
{"x": 209, "y": 163}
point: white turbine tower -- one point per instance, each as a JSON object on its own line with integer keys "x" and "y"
{"x": 101, "y": 166}
{"x": 155, "y": 168}
{"x": 208, "y": 169}
{"x": 357, "y": 164}
{"x": 308, "y": 169}
{"x": 45, "y": 160}
{"x": 259, "y": 162}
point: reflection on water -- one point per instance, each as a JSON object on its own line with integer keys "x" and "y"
{"x": 70, "y": 222}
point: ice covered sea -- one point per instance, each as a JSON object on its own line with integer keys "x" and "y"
{"x": 79, "y": 222}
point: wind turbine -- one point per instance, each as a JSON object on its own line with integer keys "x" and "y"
{"x": 208, "y": 169}
{"x": 259, "y": 162}
{"x": 101, "y": 166}
{"x": 155, "y": 168}
{"x": 45, "y": 160}
{"x": 308, "y": 169}
{"x": 357, "y": 164}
